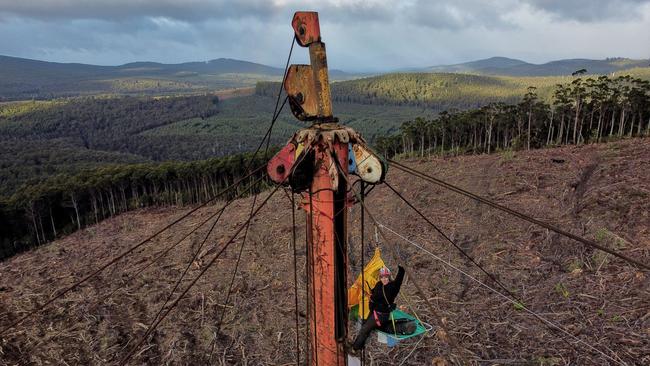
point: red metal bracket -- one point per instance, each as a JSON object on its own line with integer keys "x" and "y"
{"x": 306, "y": 26}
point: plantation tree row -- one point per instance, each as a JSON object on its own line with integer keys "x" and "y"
{"x": 585, "y": 110}
{"x": 100, "y": 123}
{"x": 62, "y": 204}
{"x": 39, "y": 139}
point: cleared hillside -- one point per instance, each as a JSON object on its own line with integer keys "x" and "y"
{"x": 599, "y": 191}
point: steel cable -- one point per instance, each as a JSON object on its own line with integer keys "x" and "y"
{"x": 514, "y": 302}
{"x": 463, "y": 252}
{"x": 64, "y": 291}
{"x": 295, "y": 275}
{"x": 450, "y": 341}
{"x": 195, "y": 280}
{"x": 518, "y": 214}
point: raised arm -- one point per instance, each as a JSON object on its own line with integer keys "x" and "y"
{"x": 399, "y": 278}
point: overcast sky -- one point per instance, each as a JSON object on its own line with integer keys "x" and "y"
{"x": 369, "y": 35}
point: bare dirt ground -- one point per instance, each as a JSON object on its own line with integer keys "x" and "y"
{"x": 235, "y": 92}
{"x": 601, "y": 192}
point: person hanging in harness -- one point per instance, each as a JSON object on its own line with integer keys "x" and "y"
{"x": 382, "y": 302}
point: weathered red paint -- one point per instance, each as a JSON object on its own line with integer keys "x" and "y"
{"x": 307, "y": 27}
{"x": 325, "y": 350}
{"x": 281, "y": 164}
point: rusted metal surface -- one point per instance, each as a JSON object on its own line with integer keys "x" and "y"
{"x": 301, "y": 89}
{"x": 324, "y": 275}
{"x": 307, "y": 27}
{"x": 318, "y": 59}
{"x": 308, "y": 86}
{"x": 280, "y": 166}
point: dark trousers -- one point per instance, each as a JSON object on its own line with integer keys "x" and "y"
{"x": 368, "y": 326}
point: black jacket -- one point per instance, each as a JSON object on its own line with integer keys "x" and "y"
{"x": 383, "y": 297}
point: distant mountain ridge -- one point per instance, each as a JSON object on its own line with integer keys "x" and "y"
{"x": 24, "y": 66}
{"x": 22, "y": 78}
{"x": 513, "y": 67}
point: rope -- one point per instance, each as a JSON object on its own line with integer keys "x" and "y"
{"x": 203, "y": 271}
{"x": 514, "y": 302}
{"x": 217, "y": 214}
{"x": 450, "y": 340}
{"x": 308, "y": 325}
{"x": 518, "y": 214}
{"x": 310, "y": 273}
{"x": 517, "y": 299}
{"x": 276, "y": 112}
{"x": 413, "y": 350}
{"x": 180, "y": 279}
{"x": 64, "y": 291}
{"x": 463, "y": 252}
{"x": 295, "y": 275}
{"x": 363, "y": 271}
{"x": 234, "y": 273}
{"x": 267, "y": 137}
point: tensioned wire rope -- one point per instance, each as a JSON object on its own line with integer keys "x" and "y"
{"x": 61, "y": 292}
{"x": 267, "y": 137}
{"x": 501, "y": 294}
{"x": 181, "y": 277}
{"x": 193, "y": 282}
{"x": 539, "y": 317}
{"x": 447, "y": 185}
{"x": 465, "y": 254}
{"x": 276, "y": 114}
{"x": 449, "y": 339}
{"x": 217, "y": 213}
{"x": 295, "y": 275}
{"x": 516, "y": 301}
{"x": 515, "y": 213}
{"x": 64, "y": 291}
{"x": 173, "y": 305}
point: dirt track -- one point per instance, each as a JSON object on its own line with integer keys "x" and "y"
{"x": 599, "y": 191}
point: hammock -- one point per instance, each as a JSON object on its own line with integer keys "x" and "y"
{"x": 371, "y": 275}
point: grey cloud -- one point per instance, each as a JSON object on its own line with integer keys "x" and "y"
{"x": 361, "y": 34}
{"x": 188, "y": 10}
{"x": 457, "y": 15}
{"x": 441, "y": 14}
{"x": 590, "y": 10}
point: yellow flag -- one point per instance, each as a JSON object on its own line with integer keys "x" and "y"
{"x": 371, "y": 276}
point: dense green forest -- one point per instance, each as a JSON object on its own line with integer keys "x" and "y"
{"x": 582, "y": 111}
{"x": 38, "y": 213}
{"x": 444, "y": 91}
{"x": 67, "y": 163}
{"x": 39, "y": 139}
{"x": 43, "y": 138}
{"x": 435, "y": 91}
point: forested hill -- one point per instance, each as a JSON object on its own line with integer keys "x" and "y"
{"x": 32, "y": 79}
{"x": 40, "y": 139}
{"x": 22, "y": 79}
{"x": 583, "y": 111}
{"x": 512, "y": 67}
{"x": 444, "y": 91}
{"x": 27, "y": 69}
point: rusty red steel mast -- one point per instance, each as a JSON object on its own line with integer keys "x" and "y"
{"x": 311, "y": 163}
